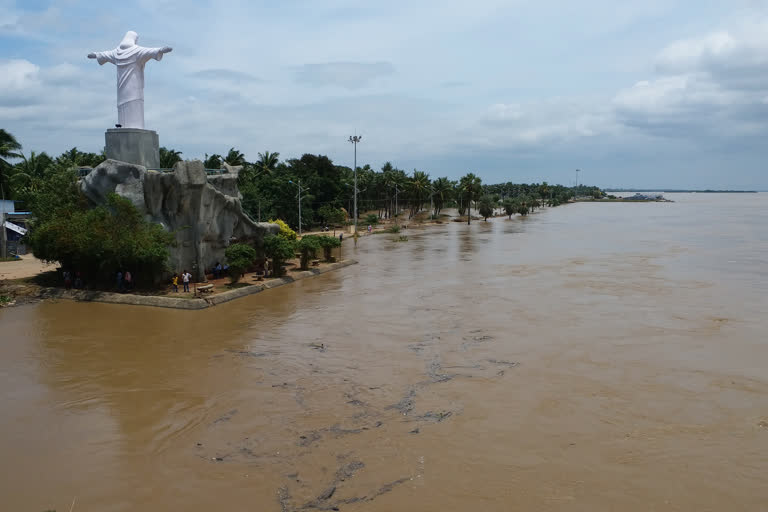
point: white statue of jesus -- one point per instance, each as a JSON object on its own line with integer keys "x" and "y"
{"x": 130, "y": 59}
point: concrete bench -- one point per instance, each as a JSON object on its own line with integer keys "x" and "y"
{"x": 315, "y": 263}
{"x": 206, "y": 288}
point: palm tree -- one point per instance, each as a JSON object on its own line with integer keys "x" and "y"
{"x": 9, "y": 148}
{"x": 234, "y": 158}
{"x": 31, "y": 171}
{"x": 212, "y": 162}
{"x": 169, "y": 157}
{"x": 470, "y": 186}
{"x": 418, "y": 186}
{"x": 267, "y": 163}
{"x": 442, "y": 188}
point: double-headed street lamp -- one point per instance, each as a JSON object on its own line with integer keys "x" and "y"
{"x": 354, "y": 139}
{"x": 301, "y": 189}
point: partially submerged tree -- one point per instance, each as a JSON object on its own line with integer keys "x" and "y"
{"x": 470, "y": 186}
{"x": 485, "y": 207}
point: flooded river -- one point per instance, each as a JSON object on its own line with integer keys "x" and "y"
{"x": 589, "y": 357}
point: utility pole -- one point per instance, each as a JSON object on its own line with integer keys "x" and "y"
{"x": 576, "y": 192}
{"x": 300, "y": 191}
{"x": 354, "y": 139}
{"x": 396, "y": 209}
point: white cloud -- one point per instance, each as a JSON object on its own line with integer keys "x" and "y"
{"x": 706, "y": 84}
{"x": 17, "y": 76}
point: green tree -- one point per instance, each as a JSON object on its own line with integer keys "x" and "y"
{"x": 372, "y": 219}
{"x": 239, "y": 257}
{"x": 470, "y": 186}
{"x": 418, "y": 191}
{"x": 267, "y": 163}
{"x": 485, "y": 207}
{"x": 278, "y": 249}
{"x": 99, "y": 241}
{"x": 30, "y": 172}
{"x": 510, "y": 207}
{"x": 442, "y": 189}
{"x": 235, "y": 157}
{"x": 212, "y": 162}
{"x": 523, "y": 205}
{"x": 169, "y": 157}
{"x": 9, "y": 149}
{"x": 308, "y": 247}
{"x": 332, "y": 216}
{"x": 328, "y": 243}
{"x": 77, "y": 158}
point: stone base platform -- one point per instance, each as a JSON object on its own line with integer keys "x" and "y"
{"x": 134, "y": 146}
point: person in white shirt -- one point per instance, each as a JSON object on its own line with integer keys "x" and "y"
{"x": 185, "y": 277}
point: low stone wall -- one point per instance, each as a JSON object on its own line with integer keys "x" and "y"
{"x": 179, "y": 303}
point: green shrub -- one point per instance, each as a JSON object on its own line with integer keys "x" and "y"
{"x": 372, "y": 219}
{"x": 308, "y": 247}
{"x": 279, "y": 250}
{"x": 394, "y": 228}
{"x": 328, "y": 243}
{"x": 239, "y": 258}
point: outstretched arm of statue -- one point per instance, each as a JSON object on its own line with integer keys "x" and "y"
{"x": 166, "y": 49}
{"x": 103, "y": 57}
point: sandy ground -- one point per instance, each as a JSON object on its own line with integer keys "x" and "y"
{"x": 28, "y": 266}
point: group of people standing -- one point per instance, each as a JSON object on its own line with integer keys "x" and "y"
{"x": 125, "y": 281}
{"x": 185, "y": 279}
{"x": 72, "y": 279}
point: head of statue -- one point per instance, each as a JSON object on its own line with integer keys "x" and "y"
{"x": 130, "y": 39}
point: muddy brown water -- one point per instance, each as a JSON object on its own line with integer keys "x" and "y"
{"x": 590, "y": 357}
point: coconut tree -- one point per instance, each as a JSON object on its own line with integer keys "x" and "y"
{"x": 442, "y": 189}
{"x": 267, "y": 163}
{"x": 30, "y": 171}
{"x": 470, "y": 186}
{"x": 9, "y": 149}
{"x": 235, "y": 157}
{"x": 212, "y": 162}
{"x": 169, "y": 157}
{"x": 418, "y": 187}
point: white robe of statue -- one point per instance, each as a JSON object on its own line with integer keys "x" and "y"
{"x": 130, "y": 59}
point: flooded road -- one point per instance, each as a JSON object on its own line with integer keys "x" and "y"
{"x": 589, "y": 357}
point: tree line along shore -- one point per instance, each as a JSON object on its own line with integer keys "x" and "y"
{"x": 96, "y": 240}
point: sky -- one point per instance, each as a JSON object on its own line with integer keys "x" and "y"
{"x": 659, "y": 93}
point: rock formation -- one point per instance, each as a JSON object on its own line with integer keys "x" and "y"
{"x": 204, "y": 211}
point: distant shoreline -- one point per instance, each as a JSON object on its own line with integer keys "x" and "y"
{"x": 680, "y": 191}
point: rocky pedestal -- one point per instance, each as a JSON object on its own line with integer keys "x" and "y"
{"x": 204, "y": 212}
{"x": 134, "y": 146}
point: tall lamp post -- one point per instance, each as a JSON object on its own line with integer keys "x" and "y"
{"x": 301, "y": 189}
{"x": 577, "y": 183}
{"x": 354, "y": 139}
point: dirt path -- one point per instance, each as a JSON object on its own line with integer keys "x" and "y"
{"x": 28, "y": 266}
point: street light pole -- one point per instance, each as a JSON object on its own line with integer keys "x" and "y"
{"x": 354, "y": 139}
{"x": 300, "y": 190}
